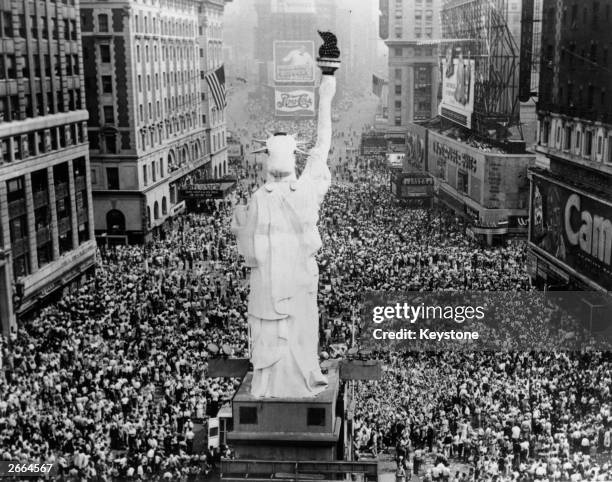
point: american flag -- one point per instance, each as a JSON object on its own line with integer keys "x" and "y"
{"x": 216, "y": 84}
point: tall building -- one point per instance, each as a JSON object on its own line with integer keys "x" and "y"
{"x": 46, "y": 217}
{"x": 149, "y": 118}
{"x": 210, "y": 40}
{"x": 570, "y": 235}
{"x": 412, "y": 27}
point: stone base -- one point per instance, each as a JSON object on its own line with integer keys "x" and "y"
{"x": 286, "y": 428}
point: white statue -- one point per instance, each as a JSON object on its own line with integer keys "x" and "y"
{"x": 277, "y": 235}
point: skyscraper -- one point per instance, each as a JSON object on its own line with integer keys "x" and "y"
{"x": 413, "y": 27}
{"x": 46, "y": 217}
{"x": 570, "y": 235}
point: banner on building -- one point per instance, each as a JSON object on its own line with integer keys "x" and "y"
{"x": 293, "y": 6}
{"x": 395, "y": 160}
{"x": 416, "y": 148}
{"x": 294, "y": 61}
{"x": 377, "y": 85}
{"x": 457, "y": 102}
{"x": 575, "y": 228}
{"x": 448, "y": 158}
{"x": 294, "y": 101}
{"x": 216, "y": 84}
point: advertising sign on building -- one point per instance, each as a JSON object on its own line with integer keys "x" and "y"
{"x": 575, "y": 228}
{"x": 293, "y": 6}
{"x": 457, "y": 102}
{"x": 415, "y": 187}
{"x": 294, "y": 61}
{"x": 416, "y": 151}
{"x": 395, "y": 160}
{"x": 294, "y": 101}
{"x": 460, "y": 165}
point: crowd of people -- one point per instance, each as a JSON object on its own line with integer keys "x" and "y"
{"x": 111, "y": 382}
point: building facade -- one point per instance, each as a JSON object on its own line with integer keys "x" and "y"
{"x": 412, "y": 27}
{"x": 571, "y": 201}
{"x": 210, "y": 40}
{"x": 149, "y": 120}
{"x": 46, "y": 215}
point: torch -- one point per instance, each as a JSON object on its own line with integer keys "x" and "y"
{"x": 329, "y": 53}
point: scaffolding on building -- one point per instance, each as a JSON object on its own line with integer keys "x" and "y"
{"x": 480, "y": 29}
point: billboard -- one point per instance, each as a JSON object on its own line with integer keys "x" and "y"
{"x": 462, "y": 166}
{"x": 395, "y": 160}
{"x": 294, "y": 61}
{"x": 293, "y": 6}
{"x": 416, "y": 148}
{"x": 457, "y": 89}
{"x": 575, "y": 228}
{"x": 294, "y": 101}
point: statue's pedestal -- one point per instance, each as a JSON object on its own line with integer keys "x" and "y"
{"x": 287, "y": 428}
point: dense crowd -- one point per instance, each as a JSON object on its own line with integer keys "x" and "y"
{"x": 111, "y": 382}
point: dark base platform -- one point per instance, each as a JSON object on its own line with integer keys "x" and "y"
{"x": 287, "y": 428}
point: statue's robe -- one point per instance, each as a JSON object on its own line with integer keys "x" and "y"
{"x": 278, "y": 240}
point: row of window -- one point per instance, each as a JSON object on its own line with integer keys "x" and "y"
{"x": 41, "y": 212}
{"x": 8, "y": 66}
{"x": 174, "y": 27}
{"x": 169, "y": 51}
{"x": 181, "y": 78}
{"x": 20, "y": 147}
{"x": 12, "y": 110}
{"x": 418, "y": 51}
{"x": 153, "y": 169}
{"x": 38, "y": 24}
{"x": 586, "y": 143}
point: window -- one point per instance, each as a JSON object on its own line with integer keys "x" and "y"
{"x": 398, "y": 104}
{"x": 315, "y": 416}
{"x": 103, "y": 22}
{"x": 105, "y": 53}
{"x": 588, "y": 143}
{"x": 578, "y": 139}
{"x": 111, "y": 143}
{"x": 154, "y": 171}
{"x": 247, "y": 415}
{"x": 112, "y": 177}
{"x": 568, "y": 138}
{"x": 398, "y": 120}
{"x": 398, "y": 74}
{"x": 397, "y": 51}
{"x": 7, "y": 24}
{"x": 107, "y": 84}
{"x": 398, "y": 89}
{"x": 462, "y": 182}
{"x": 109, "y": 114}
{"x": 599, "y": 145}
{"x": 610, "y": 149}
{"x": 144, "y": 175}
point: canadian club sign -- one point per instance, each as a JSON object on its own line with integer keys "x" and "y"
{"x": 573, "y": 227}
{"x": 294, "y": 101}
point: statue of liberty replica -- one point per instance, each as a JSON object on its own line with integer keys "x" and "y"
{"x": 278, "y": 236}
